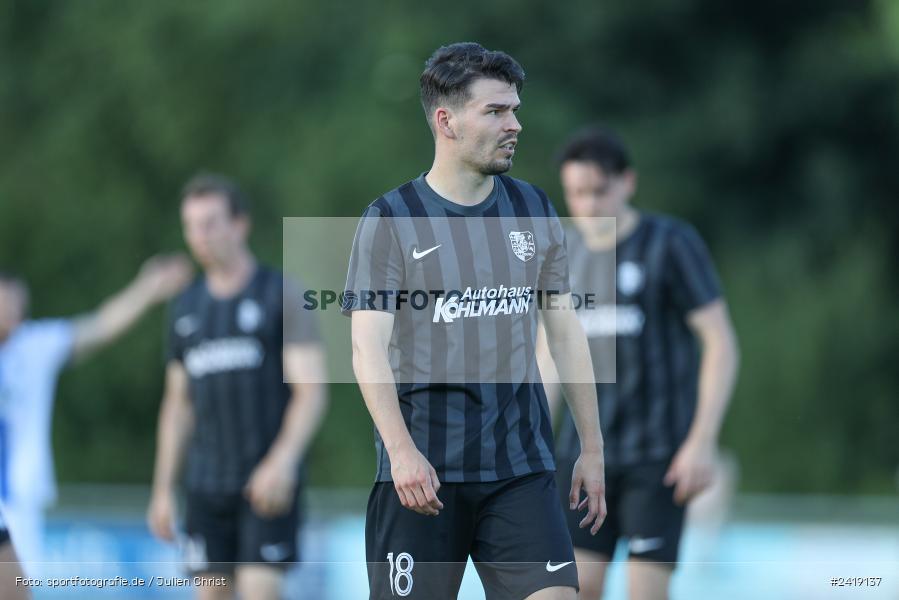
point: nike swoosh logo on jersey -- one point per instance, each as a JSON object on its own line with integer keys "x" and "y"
{"x": 417, "y": 255}
{"x": 553, "y": 568}
{"x": 643, "y": 545}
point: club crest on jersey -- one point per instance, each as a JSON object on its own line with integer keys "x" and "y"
{"x": 249, "y": 315}
{"x": 523, "y": 244}
{"x": 186, "y": 325}
{"x": 630, "y": 278}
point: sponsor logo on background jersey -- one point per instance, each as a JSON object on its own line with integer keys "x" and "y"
{"x": 249, "y": 315}
{"x": 523, "y": 244}
{"x": 484, "y": 302}
{"x": 630, "y": 278}
{"x": 223, "y": 354}
{"x": 609, "y": 320}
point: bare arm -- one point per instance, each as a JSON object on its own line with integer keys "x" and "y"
{"x": 692, "y": 467}
{"x": 548, "y": 374}
{"x": 413, "y": 476}
{"x": 176, "y": 424}
{"x": 272, "y": 486}
{"x": 570, "y": 351}
{"x": 160, "y": 278}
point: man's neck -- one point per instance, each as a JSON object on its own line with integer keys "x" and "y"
{"x": 226, "y": 280}
{"x": 459, "y": 184}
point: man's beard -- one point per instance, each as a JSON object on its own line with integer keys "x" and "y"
{"x": 496, "y": 167}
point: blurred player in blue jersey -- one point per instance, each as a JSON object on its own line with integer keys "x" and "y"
{"x": 243, "y": 399}
{"x": 32, "y": 354}
{"x": 11, "y": 586}
{"x": 676, "y": 363}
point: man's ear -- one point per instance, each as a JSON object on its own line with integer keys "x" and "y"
{"x": 444, "y": 123}
{"x": 630, "y": 180}
{"x": 245, "y": 225}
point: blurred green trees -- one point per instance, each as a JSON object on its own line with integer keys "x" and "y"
{"x": 772, "y": 126}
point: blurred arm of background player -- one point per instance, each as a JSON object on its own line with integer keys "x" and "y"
{"x": 271, "y": 488}
{"x": 176, "y": 423}
{"x": 413, "y": 476}
{"x": 568, "y": 347}
{"x": 160, "y": 278}
{"x": 693, "y": 466}
{"x": 10, "y": 572}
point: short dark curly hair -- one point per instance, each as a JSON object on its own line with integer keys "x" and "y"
{"x": 450, "y": 71}
{"x": 599, "y": 145}
{"x": 205, "y": 184}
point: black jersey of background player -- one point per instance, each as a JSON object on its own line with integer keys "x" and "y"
{"x": 466, "y": 372}
{"x": 662, "y": 272}
{"x": 232, "y": 352}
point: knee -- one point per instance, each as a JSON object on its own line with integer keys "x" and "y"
{"x": 259, "y": 583}
{"x": 213, "y": 587}
{"x": 591, "y": 578}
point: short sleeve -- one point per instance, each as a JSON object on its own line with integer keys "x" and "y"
{"x": 692, "y": 279}
{"x": 554, "y": 271}
{"x": 175, "y": 332}
{"x": 50, "y": 341}
{"x": 377, "y": 269}
{"x": 301, "y": 324}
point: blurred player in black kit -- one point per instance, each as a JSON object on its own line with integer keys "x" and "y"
{"x": 235, "y": 339}
{"x": 676, "y": 362}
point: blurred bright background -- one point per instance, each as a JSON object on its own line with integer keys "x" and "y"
{"x": 772, "y": 126}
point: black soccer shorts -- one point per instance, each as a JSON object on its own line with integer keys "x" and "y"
{"x": 640, "y": 508}
{"x": 223, "y": 530}
{"x": 513, "y": 529}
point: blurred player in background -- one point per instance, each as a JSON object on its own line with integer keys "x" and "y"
{"x": 676, "y": 359}
{"x": 10, "y": 571}
{"x": 465, "y": 466}
{"x": 32, "y": 354}
{"x": 227, "y": 411}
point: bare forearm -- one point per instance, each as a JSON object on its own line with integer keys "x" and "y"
{"x": 548, "y": 374}
{"x": 379, "y": 392}
{"x": 175, "y": 427}
{"x": 302, "y": 419}
{"x": 581, "y": 398}
{"x": 571, "y": 354}
{"x": 717, "y": 375}
{"x": 112, "y": 318}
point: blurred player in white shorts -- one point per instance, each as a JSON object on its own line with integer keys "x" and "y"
{"x": 32, "y": 354}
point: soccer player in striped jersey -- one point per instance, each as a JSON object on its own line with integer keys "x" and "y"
{"x": 676, "y": 362}
{"x": 235, "y": 340}
{"x": 463, "y": 437}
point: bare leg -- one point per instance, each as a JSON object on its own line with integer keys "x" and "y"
{"x": 648, "y": 580}
{"x": 554, "y": 593}
{"x": 215, "y": 592}
{"x": 591, "y": 571}
{"x": 259, "y": 582}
